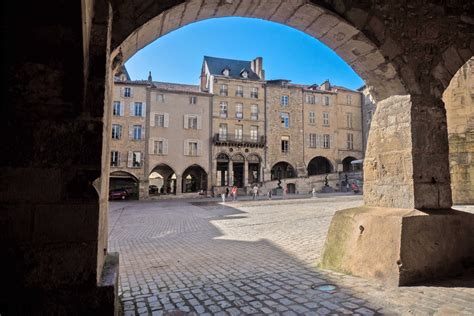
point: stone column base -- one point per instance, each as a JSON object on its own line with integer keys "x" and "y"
{"x": 399, "y": 246}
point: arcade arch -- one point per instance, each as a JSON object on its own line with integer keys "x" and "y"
{"x": 164, "y": 177}
{"x": 319, "y": 165}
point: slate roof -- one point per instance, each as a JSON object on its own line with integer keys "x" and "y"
{"x": 217, "y": 65}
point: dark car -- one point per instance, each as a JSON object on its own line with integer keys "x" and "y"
{"x": 118, "y": 194}
{"x": 152, "y": 189}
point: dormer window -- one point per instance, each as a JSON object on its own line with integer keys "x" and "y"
{"x": 226, "y": 72}
{"x": 244, "y": 73}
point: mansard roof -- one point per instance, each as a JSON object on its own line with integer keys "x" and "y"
{"x": 217, "y": 65}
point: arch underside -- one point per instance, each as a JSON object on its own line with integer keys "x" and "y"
{"x": 348, "y": 42}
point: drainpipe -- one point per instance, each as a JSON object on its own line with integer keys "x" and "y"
{"x": 304, "y": 137}
{"x": 265, "y": 146}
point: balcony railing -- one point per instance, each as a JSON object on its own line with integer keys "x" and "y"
{"x": 243, "y": 140}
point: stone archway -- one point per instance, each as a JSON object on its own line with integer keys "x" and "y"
{"x": 407, "y": 50}
{"x": 238, "y": 170}
{"x": 254, "y": 168}
{"x": 283, "y": 170}
{"x": 319, "y": 165}
{"x": 347, "y": 165}
{"x": 124, "y": 180}
{"x": 459, "y": 101}
{"x": 194, "y": 179}
{"x": 167, "y": 182}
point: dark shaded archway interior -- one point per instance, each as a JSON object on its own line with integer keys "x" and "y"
{"x": 283, "y": 170}
{"x": 194, "y": 179}
{"x": 319, "y": 165}
{"x": 346, "y": 164}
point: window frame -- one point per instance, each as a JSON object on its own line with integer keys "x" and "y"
{"x": 284, "y": 100}
{"x": 137, "y": 132}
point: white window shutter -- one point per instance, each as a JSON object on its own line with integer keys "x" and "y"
{"x": 118, "y": 158}
{"x": 151, "y": 146}
{"x": 165, "y": 146}
{"x": 130, "y": 159}
{"x": 122, "y": 108}
{"x": 130, "y": 131}
{"x": 186, "y": 125}
{"x": 199, "y": 148}
{"x": 152, "y": 119}
{"x": 166, "y": 119}
{"x": 131, "y": 92}
{"x": 199, "y": 122}
{"x": 185, "y": 148}
{"x": 318, "y": 141}
{"x": 331, "y": 140}
{"x": 122, "y": 92}
{"x": 144, "y": 109}
{"x": 132, "y": 113}
{"x": 143, "y": 132}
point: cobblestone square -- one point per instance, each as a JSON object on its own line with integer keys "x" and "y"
{"x": 253, "y": 257}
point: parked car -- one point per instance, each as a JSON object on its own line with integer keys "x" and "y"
{"x": 118, "y": 194}
{"x": 152, "y": 189}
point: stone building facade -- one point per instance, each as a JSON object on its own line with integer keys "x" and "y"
{"x": 235, "y": 128}
{"x": 146, "y": 148}
{"x": 312, "y": 130}
{"x": 238, "y": 120}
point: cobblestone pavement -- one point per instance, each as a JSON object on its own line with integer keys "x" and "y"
{"x": 196, "y": 257}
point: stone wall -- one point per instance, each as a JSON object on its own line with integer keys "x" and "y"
{"x": 459, "y": 102}
{"x": 276, "y": 129}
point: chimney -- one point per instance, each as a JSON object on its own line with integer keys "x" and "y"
{"x": 257, "y": 67}
{"x": 150, "y": 79}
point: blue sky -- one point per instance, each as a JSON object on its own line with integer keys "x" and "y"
{"x": 287, "y": 53}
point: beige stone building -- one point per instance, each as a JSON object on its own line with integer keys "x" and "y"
{"x": 127, "y": 148}
{"x": 235, "y": 128}
{"x": 312, "y": 130}
{"x": 238, "y": 120}
{"x": 178, "y": 143}
{"x": 147, "y": 150}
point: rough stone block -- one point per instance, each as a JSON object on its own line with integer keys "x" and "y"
{"x": 399, "y": 246}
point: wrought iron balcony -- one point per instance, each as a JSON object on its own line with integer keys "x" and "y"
{"x": 247, "y": 140}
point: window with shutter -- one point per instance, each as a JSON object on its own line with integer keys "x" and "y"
{"x": 165, "y": 147}
{"x": 167, "y": 120}
{"x": 144, "y": 110}
{"x": 199, "y": 122}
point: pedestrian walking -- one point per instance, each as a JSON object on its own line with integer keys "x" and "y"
{"x": 234, "y": 193}
{"x": 269, "y": 194}
{"x": 255, "y": 191}
{"x": 223, "y": 197}
{"x": 314, "y": 192}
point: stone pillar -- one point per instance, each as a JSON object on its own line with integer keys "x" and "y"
{"x": 143, "y": 193}
{"x": 406, "y": 232}
{"x": 406, "y": 163}
{"x": 179, "y": 184}
{"x": 246, "y": 173}
{"x": 230, "y": 173}
{"x": 53, "y": 219}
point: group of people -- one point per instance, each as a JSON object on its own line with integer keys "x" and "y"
{"x": 255, "y": 191}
